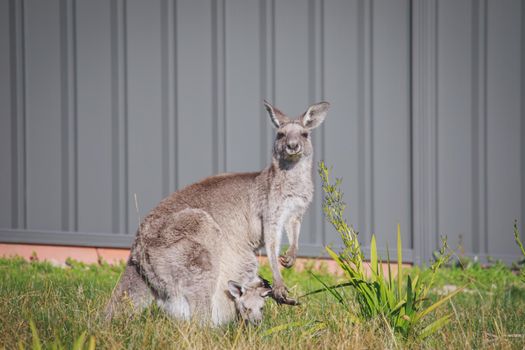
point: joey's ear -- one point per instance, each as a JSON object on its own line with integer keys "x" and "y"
{"x": 264, "y": 282}
{"x": 276, "y": 116}
{"x": 265, "y": 292}
{"x": 315, "y": 115}
{"x": 235, "y": 289}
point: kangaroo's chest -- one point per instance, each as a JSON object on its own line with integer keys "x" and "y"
{"x": 296, "y": 200}
{"x": 294, "y": 206}
{"x": 299, "y": 199}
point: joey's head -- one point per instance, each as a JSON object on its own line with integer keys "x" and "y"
{"x": 292, "y": 140}
{"x": 249, "y": 300}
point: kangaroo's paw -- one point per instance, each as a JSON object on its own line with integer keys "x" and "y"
{"x": 280, "y": 293}
{"x": 287, "y": 260}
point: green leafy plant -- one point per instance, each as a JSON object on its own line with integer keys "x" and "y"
{"x": 520, "y": 245}
{"x": 400, "y": 301}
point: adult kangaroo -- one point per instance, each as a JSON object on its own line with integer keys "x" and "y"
{"x": 201, "y": 237}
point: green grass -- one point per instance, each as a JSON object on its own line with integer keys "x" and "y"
{"x": 65, "y": 304}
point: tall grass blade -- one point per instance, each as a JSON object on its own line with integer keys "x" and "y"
{"x": 331, "y": 290}
{"x": 340, "y": 285}
{"x": 373, "y": 257}
{"x": 57, "y": 345}
{"x": 79, "y": 342}
{"x": 283, "y": 327}
{"x": 386, "y": 297}
{"x": 520, "y": 245}
{"x": 370, "y": 297}
{"x": 517, "y": 238}
{"x": 398, "y": 307}
{"x": 409, "y": 310}
{"x": 434, "y": 326}
{"x": 399, "y": 260}
{"x": 438, "y": 303}
{"x": 390, "y": 279}
{"x": 313, "y": 330}
{"x": 339, "y": 262}
{"x": 35, "y": 342}
{"x": 92, "y": 343}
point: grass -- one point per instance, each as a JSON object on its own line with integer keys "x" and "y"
{"x": 65, "y": 304}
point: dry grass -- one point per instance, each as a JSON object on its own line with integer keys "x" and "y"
{"x": 64, "y": 303}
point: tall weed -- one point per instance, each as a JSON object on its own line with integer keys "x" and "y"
{"x": 400, "y": 302}
{"x": 520, "y": 245}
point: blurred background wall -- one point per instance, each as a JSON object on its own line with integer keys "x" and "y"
{"x": 105, "y": 101}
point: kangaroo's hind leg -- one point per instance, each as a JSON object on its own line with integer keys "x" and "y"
{"x": 183, "y": 266}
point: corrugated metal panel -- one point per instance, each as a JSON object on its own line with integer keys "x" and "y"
{"x": 104, "y": 101}
{"x": 467, "y": 118}
{"x": 6, "y": 139}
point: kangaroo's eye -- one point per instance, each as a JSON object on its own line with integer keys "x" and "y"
{"x": 305, "y": 135}
{"x": 280, "y": 135}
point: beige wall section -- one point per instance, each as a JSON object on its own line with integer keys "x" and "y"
{"x": 57, "y": 255}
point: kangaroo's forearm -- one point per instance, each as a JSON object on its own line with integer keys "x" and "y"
{"x": 272, "y": 245}
{"x": 293, "y": 229}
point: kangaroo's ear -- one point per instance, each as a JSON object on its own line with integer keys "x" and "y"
{"x": 276, "y": 116}
{"x": 235, "y": 289}
{"x": 315, "y": 115}
{"x": 265, "y": 292}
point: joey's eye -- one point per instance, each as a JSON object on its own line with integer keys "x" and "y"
{"x": 280, "y": 135}
{"x": 305, "y": 135}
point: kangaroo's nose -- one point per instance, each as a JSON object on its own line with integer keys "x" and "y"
{"x": 292, "y": 145}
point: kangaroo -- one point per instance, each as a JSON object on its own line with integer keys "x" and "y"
{"x": 201, "y": 237}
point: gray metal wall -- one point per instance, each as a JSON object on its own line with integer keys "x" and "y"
{"x": 101, "y": 100}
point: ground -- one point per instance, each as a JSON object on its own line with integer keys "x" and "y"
{"x": 65, "y": 305}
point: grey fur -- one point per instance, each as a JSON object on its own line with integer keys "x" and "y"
{"x": 198, "y": 239}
